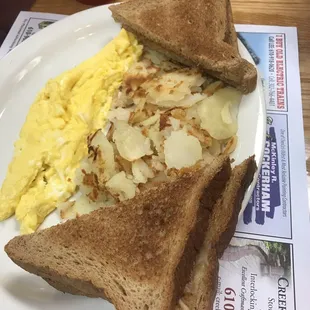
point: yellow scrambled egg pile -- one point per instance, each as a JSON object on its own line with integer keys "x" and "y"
{"x": 53, "y": 139}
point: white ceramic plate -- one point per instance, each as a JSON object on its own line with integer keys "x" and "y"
{"x": 23, "y": 72}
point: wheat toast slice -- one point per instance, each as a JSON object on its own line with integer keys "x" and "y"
{"x": 139, "y": 253}
{"x": 198, "y": 33}
{"x": 200, "y": 292}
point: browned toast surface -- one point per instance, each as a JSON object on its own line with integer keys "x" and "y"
{"x": 197, "y": 33}
{"x": 201, "y": 290}
{"x": 135, "y": 254}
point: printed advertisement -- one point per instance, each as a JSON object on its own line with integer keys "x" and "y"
{"x": 268, "y": 52}
{"x": 269, "y": 210}
{"x": 33, "y": 25}
{"x": 27, "y": 26}
{"x": 256, "y": 274}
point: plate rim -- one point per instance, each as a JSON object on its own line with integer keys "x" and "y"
{"x": 259, "y": 161}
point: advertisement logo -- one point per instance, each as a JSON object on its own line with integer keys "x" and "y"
{"x": 262, "y": 203}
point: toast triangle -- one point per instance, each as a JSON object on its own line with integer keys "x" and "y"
{"x": 137, "y": 254}
{"x": 197, "y": 33}
{"x": 200, "y": 291}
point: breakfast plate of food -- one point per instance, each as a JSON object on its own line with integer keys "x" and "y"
{"x": 139, "y": 128}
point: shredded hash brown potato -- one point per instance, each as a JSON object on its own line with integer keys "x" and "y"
{"x": 165, "y": 118}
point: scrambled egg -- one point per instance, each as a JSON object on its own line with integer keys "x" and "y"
{"x": 53, "y": 139}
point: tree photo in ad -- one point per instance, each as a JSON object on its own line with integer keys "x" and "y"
{"x": 256, "y": 275}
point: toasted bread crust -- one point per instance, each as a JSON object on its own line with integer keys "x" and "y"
{"x": 230, "y": 35}
{"x": 197, "y": 234}
{"x": 66, "y": 288}
{"x": 201, "y": 290}
{"x": 188, "y": 32}
{"x": 135, "y": 239}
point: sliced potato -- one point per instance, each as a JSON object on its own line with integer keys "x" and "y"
{"x": 192, "y": 114}
{"x": 201, "y": 134}
{"x": 130, "y": 142}
{"x": 141, "y": 171}
{"x": 120, "y": 114}
{"x": 173, "y": 89}
{"x": 211, "y": 115}
{"x": 157, "y": 138}
{"x": 182, "y": 150}
{"x": 216, "y": 148}
{"x": 121, "y": 186}
{"x": 156, "y": 163}
{"x": 187, "y": 101}
{"x": 226, "y": 114}
{"x": 175, "y": 123}
{"x": 66, "y": 210}
{"x": 124, "y": 165}
{"x": 104, "y": 159}
{"x": 231, "y": 145}
{"x": 84, "y": 205}
{"x": 179, "y": 114}
{"x": 139, "y": 73}
{"x": 154, "y": 56}
{"x": 213, "y": 87}
{"x": 150, "y": 121}
{"x": 137, "y": 117}
{"x": 207, "y": 157}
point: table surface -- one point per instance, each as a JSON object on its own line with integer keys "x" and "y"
{"x": 263, "y": 12}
